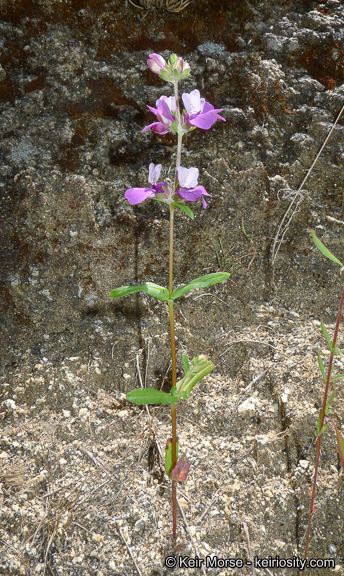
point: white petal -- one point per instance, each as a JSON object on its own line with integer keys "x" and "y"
{"x": 188, "y": 177}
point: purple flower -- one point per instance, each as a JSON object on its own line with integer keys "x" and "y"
{"x": 137, "y": 195}
{"x": 200, "y": 113}
{"x": 156, "y": 63}
{"x": 163, "y": 111}
{"x": 188, "y": 185}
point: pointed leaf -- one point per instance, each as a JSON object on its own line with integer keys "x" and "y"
{"x": 168, "y": 456}
{"x": 321, "y": 366}
{"x": 324, "y": 250}
{"x": 151, "y": 396}
{"x": 201, "y": 282}
{"x": 180, "y": 471}
{"x": 340, "y": 446}
{"x": 152, "y": 289}
{"x": 185, "y": 363}
{"x": 319, "y": 423}
{"x": 337, "y": 377}
{"x": 185, "y": 209}
{"x": 328, "y": 339}
{"x": 201, "y": 366}
{"x": 328, "y": 403}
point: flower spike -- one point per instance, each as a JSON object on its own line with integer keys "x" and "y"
{"x": 172, "y": 71}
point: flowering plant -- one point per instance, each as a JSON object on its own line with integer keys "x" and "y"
{"x": 197, "y": 114}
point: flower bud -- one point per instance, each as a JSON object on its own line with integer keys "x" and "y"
{"x": 181, "y": 67}
{"x": 172, "y": 71}
{"x": 156, "y": 63}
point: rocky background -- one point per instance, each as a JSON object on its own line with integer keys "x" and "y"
{"x": 74, "y": 85}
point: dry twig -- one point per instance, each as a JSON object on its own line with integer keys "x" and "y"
{"x": 297, "y": 194}
{"x": 249, "y": 548}
{"x": 130, "y": 553}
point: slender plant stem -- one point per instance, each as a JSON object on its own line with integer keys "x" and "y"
{"x": 170, "y": 302}
{"x": 174, "y": 462}
{"x": 180, "y": 132}
{"x": 319, "y": 439}
{"x": 174, "y": 377}
{"x": 171, "y": 316}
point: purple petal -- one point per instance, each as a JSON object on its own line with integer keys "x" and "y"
{"x": 209, "y": 108}
{"x": 165, "y": 112}
{"x": 169, "y": 100}
{"x": 204, "y": 121}
{"x": 154, "y": 110}
{"x": 161, "y": 187}
{"x": 192, "y": 194}
{"x": 157, "y": 128}
{"x": 137, "y": 195}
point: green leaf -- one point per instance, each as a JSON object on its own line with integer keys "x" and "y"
{"x": 340, "y": 446}
{"x": 318, "y": 423}
{"x": 328, "y": 403}
{"x": 324, "y": 250}
{"x": 152, "y": 289}
{"x": 201, "y": 282}
{"x": 321, "y": 366}
{"x": 249, "y": 238}
{"x": 201, "y": 367}
{"x": 151, "y": 396}
{"x": 328, "y": 340}
{"x": 337, "y": 377}
{"x": 185, "y": 363}
{"x": 185, "y": 209}
{"x": 322, "y": 430}
{"x": 168, "y": 456}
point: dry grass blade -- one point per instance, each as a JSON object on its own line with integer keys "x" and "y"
{"x": 249, "y": 548}
{"x": 129, "y": 551}
{"x": 170, "y": 5}
{"x": 248, "y": 342}
{"x": 278, "y": 240}
{"x": 190, "y": 535}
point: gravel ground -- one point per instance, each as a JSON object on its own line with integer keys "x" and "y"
{"x": 84, "y": 491}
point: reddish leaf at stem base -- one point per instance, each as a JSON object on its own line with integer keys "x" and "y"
{"x": 180, "y": 471}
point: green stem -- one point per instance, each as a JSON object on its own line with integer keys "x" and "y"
{"x": 180, "y": 132}
{"x": 318, "y": 441}
{"x": 171, "y": 316}
{"x": 170, "y": 302}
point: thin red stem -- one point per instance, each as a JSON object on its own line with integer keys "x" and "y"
{"x": 319, "y": 439}
{"x": 174, "y": 378}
